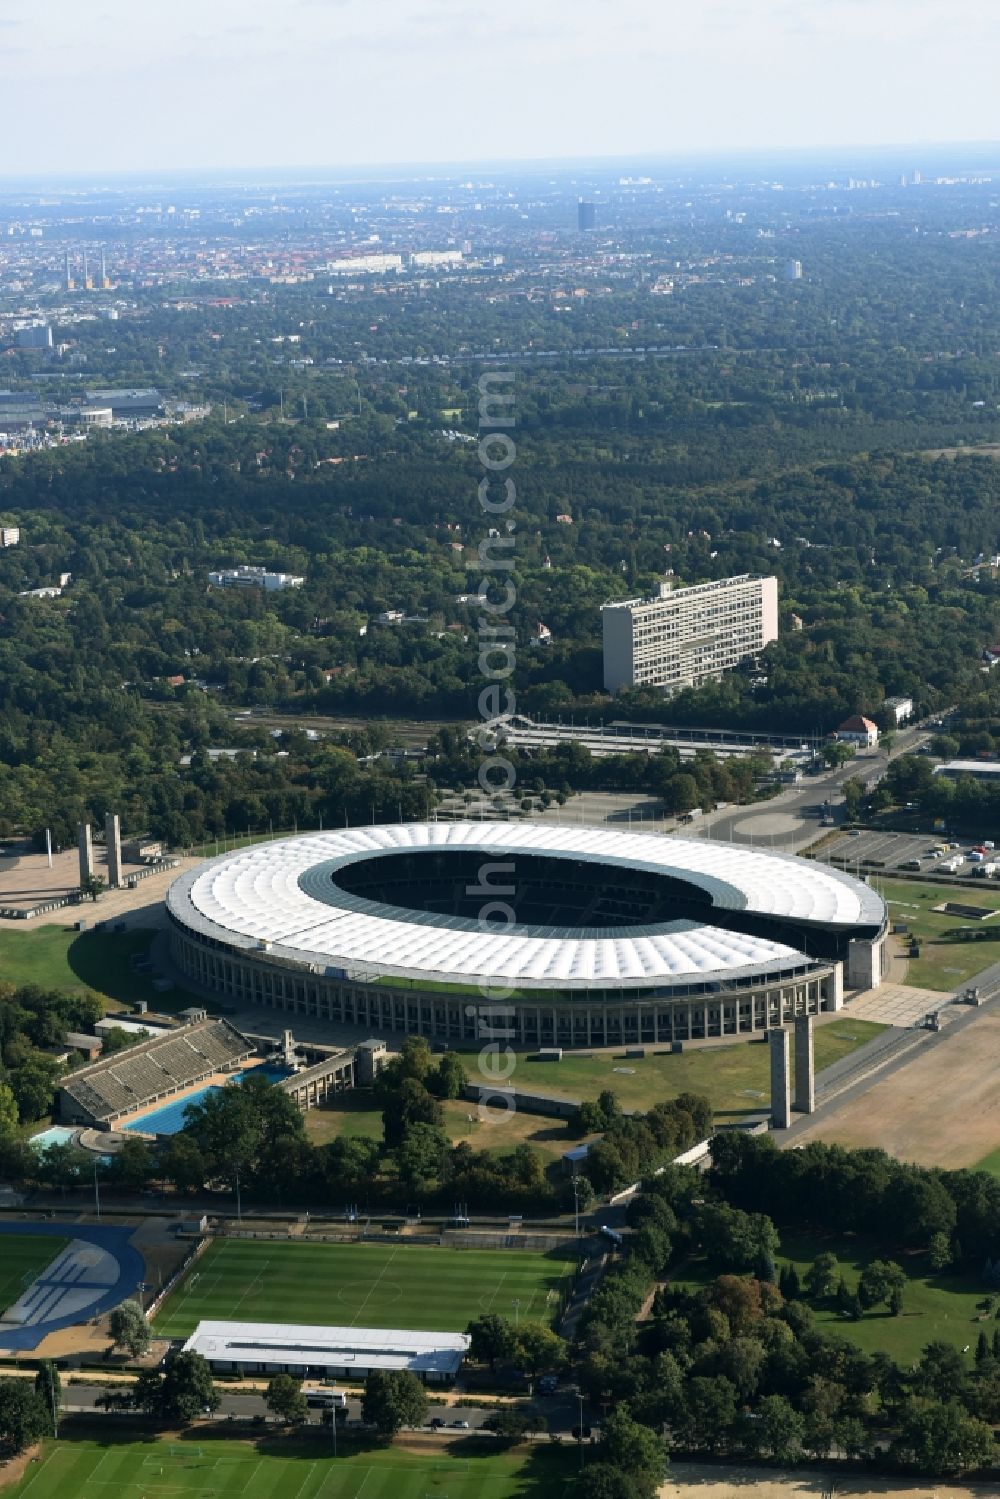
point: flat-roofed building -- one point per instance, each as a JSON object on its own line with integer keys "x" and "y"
{"x": 682, "y": 637}
{"x": 978, "y": 770}
{"x": 311, "y": 1352}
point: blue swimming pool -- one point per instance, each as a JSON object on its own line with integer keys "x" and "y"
{"x": 170, "y": 1119}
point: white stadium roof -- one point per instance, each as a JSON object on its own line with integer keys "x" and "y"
{"x": 282, "y": 896}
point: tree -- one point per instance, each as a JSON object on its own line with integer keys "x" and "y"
{"x": 633, "y": 1448}
{"x": 939, "y": 1252}
{"x": 420, "y": 1155}
{"x": 451, "y": 1077}
{"x": 538, "y": 1347}
{"x": 132, "y": 1167}
{"x": 781, "y": 1428}
{"x": 491, "y": 1338}
{"x": 187, "y": 1389}
{"x": 822, "y": 1276}
{"x": 940, "y": 1438}
{"x": 24, "y": 1417}
{"x": 129, "y": 1329}
{"x": 878, "y": 1281}
{"x": 602, "y": 1481}
{"x": 941, "y": 1370}
{"x": 183, "y": 1164}
{"x": 8, "y": 1111}
{"x": 48, "y": 1388}
{"x": 512, "y": 1424}
{"x": 393, "y": 1398}
{"x": 92, "y": 886}
{"x": 284, "y": 1398}
{"x": 406, "y": 1106}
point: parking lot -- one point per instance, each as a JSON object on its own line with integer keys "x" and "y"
{"x": 872, "y": 850}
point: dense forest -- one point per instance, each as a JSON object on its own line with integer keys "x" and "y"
{"x": 679, "y": 408}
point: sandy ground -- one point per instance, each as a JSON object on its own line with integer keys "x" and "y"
{"x": 943, "y": 1109}
{"x": 689, "y": 1481}
{"x": 30, "y": 880}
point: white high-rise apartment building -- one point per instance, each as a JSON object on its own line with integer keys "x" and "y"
{"x": 684, "y": 636}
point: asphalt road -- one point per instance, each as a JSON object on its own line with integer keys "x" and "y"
{"x": 560, "y": 1410}
{"x": 805, "y": 801}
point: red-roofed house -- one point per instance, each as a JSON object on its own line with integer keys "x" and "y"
{"x": 858, "y": 730}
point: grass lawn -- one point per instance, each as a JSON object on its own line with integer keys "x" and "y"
{"x": 934, "y": 1306}
{"x": 201, "y": 1465}
{"x": 943, "y": 965}
{"x": 353, "y": 1115}
{"x": 57, "y": 957}
{"x": 23, "y": 1257}
{"x": 990, "y": 1163}
{"x": 362, "y": 1285}
{"x": 735, "y": 1078}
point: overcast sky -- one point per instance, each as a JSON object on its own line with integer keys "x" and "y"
{"x": 153, "y": 84}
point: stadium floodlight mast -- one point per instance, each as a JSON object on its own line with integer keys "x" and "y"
{"x": 97, "y": 1192}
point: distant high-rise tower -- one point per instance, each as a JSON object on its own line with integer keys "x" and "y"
{"x": 70, "y": 283}
{"x": 793, "y": 270}
{"x": 586, "y": 215}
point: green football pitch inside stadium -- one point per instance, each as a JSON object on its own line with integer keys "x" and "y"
{"x": 198, "y": 1468}
{"x": 363, "y": 1285}
{"x": 23, "y": 1257}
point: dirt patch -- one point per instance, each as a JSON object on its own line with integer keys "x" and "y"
{"x": 943, "y": 1109}
{"x": 14, "y": 1468}
{"x": 691, "y": 1481}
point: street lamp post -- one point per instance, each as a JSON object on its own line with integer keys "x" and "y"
{"x": 579, "y": 1396}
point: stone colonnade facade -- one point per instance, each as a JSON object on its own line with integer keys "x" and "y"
{"x": 586, "y": 1018}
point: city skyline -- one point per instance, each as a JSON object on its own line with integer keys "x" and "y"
{"x": 338, "y": 83}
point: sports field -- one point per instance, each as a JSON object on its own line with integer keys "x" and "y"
{"x": 363, "y": 1285}
{"x": 990, "y": 1163}
{"x": 203, "y": 1466}
{"x": 23, "y": 1257}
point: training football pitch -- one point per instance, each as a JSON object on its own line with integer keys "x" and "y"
{"x": 363, "y": 1285}
{"x": 197, "y": 1469}
{"x": 23, "y": 1257}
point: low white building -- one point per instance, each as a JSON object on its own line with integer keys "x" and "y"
{"x": 254, "y": 577}
{"x": 310, "y": 1352}
{"x": 977, "y": 770}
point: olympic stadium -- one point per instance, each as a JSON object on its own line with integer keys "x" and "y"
{"x": 572, "y": 937}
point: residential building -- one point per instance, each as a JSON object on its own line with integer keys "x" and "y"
{"x": 901, "y": 708}
{"x": 684, "y": 636}
{"x": 35, "y": 336}
{"x": 254, "y": 577}
{"x": 859, "y": 731}
{"x": 436, "y": 258}
{"x": 10, "y": 536}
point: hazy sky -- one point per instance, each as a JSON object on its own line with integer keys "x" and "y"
{"x": 134, "y": 84}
